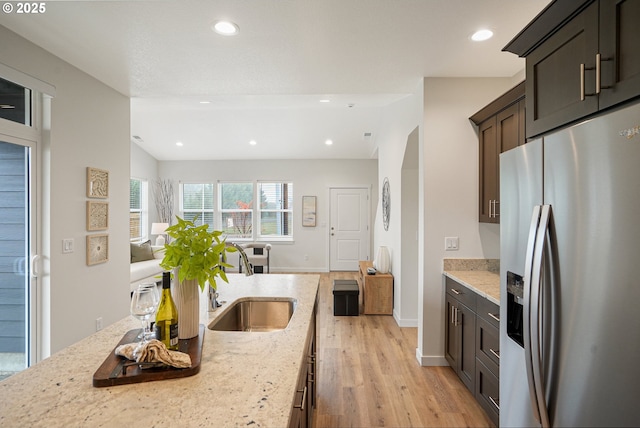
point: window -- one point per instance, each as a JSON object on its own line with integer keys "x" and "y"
{"x": 197, "y": 200}
{"x": 138, "y": 213}
{"x": 236, "y": 209}
{"x": 276, "y": 210}
{"x": 15, "y": 102}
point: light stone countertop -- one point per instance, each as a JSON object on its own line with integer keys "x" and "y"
{"x": 246, "y": 379}
{"x": 484, "y": 283}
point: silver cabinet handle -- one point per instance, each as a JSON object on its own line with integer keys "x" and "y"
{"x": 495, "y": 402}
{"x": 495, "y": 211}
{"x": 304, "y": 399}
{"x": 495, "y": 354}
{"x": 454, "y": 291}
{"x": 452, "y": 321}
{"x": 599, "y": 60}
{"x": 495, "y": 317}
{"x": 582, "y": 82}
{"x": 456, "y": 312}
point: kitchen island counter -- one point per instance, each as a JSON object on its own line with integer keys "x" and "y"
{"x": 245, "y": 379}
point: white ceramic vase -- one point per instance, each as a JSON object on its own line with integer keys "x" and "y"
{"x": 382, "y": 263}
{"x": 187, "y": 299}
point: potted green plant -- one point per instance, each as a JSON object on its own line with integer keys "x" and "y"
{"x": 196, "y": 256}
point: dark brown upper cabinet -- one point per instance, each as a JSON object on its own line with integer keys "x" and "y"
{"x": 500, "y": 128}
{"x": 582, "y": 57}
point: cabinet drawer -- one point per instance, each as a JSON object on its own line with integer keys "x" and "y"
{"x": 488, "y": 392}
{"x": 488, "y": 311}
{"x": 488, "y": 345}
{"x": 461, "y": 293}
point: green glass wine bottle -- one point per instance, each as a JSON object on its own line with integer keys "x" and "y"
{"x": 167, "y": 316}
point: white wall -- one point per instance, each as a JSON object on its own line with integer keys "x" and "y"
{"x": 89, "y": 127}
{"x": 309, "y": 177}
{"x": 399, "y": 120}
{"x": 450, "y": 181}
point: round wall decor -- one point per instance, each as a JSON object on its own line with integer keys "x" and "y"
{"x": 386, "y": 203}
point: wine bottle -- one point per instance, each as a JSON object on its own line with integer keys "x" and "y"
{"x": 167, "y": 316}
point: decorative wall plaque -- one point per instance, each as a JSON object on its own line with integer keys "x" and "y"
{"x": 97, "y": 215}
{"x": 386, "y": 203}
{"x": 97, "y": 183}
{"x": 309, "y": 211}
{"x": 97, "y": 249}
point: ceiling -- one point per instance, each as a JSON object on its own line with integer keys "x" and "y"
{"x": 265, "y": 83}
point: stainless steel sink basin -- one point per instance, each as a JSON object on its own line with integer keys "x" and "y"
{"x": 256, "y": 315}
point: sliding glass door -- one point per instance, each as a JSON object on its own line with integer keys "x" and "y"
{"x": 19, "y": 302}
{"x": 18, "y": 283}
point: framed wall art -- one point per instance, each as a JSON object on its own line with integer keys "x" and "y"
{"x": 97, "y": 215}
{"x": 309, "y": 211}
{"x": 97, "y": 183}
{"x": 97, "y": 249}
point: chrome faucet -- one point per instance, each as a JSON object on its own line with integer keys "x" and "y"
{"x": 245, "y": 260}
{"x": 213, "y": 294}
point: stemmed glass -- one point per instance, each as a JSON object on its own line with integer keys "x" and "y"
{"x": 149, "y": 334}
{"x": 144, "y": 303}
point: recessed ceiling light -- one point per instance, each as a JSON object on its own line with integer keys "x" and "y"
{"x": 226, "y": 28}
{"x": 179, "y": 144}
{"x": 253, "y": 142}
{"x": 482, "y": 35}
{"x": 325, "y": 101}
{"x": 328, "y": 142}
{"x": 205, "y": 102}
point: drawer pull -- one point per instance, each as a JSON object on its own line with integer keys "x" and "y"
{"x": 454, "y": 291}
{"x": 495, "y": 402}
{"x": 304, "y": 399}
{"x": 496, "y": 354}
{"x": 495, "y": 317}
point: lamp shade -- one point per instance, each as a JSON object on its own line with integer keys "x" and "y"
{"x": 159, "y": 228}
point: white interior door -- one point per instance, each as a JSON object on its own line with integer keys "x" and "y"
{"x": 349, "y": 228}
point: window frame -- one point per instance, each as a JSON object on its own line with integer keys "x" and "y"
{"x": 143, "y": 210}
{"x": 201, "y": 211}
{"x": 222, "y": 211}
{"x": 290, "y": 210}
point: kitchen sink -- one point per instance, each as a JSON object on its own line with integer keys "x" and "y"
{"x": 256, "y": 315}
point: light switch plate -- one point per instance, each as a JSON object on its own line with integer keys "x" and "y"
{"x": 67, "y": 245}
{"x": 451, "y": 243}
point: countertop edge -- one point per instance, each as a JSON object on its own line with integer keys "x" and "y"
{"x": 479, "y": 289}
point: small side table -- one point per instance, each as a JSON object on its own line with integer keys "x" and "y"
{"x": 377, "y": 290}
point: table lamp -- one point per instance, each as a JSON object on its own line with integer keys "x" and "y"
{"x": 160, "y": 230}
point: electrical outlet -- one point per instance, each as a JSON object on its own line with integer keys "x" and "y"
{"x": 98, "y": 323}
{"x": 451, "y": 243}
{"x": 67, "y": 245}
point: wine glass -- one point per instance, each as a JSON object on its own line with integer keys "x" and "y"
{"x": 156, "y": 296}
{"x": 143, "y": 305}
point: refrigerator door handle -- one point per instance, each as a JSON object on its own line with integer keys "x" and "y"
{"x": 535, "y": 312}
{"x": 526, "y": 330}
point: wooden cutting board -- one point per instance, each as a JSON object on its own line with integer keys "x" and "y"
{"x": 114, "y": 372}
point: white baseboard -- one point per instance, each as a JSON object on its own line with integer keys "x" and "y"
{"x": 430, "y": 360}
{"x": 404, "y": 322}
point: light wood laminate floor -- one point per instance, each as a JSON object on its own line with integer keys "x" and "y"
{"x": 368, "y": 375}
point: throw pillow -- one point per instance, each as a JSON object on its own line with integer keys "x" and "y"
{"x": 141, "y": 251}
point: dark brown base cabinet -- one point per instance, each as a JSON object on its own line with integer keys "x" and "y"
{"x": 472, "y": 344}
{"x": 305, "y": 396}
{"x": 581, "y": 57}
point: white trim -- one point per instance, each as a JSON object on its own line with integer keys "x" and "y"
{"x": 431, "y": 360}
{"x": 27, "y": 81}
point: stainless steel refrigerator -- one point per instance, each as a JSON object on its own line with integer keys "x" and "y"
{"x": 570, "y": 276}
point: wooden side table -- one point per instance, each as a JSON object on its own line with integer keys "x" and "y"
{"x": 377, "y": 291}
